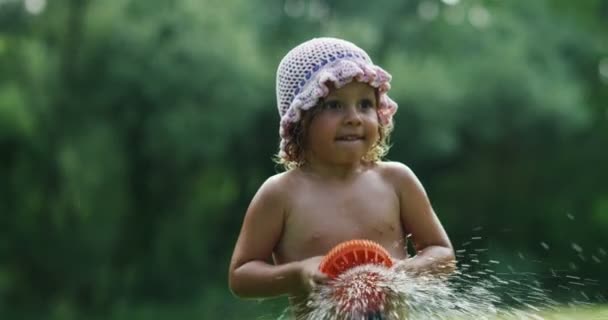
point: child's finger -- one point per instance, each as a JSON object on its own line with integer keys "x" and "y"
{"x": 312, "y": 284}
{"x": 320, "y": 277}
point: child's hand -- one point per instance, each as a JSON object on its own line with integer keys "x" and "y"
{"x": 404, "y": 265}
{"x": 423, "y": 266}
{"x": 310, "y": 275}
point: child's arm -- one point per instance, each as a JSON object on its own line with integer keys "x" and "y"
{"x": 251, "y": 275}
{"x": 434, "y": 252}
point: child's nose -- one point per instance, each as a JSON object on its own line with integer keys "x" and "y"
{"x": 352, "y": 116}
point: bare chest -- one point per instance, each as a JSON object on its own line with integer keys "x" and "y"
{"x": 320, "y": 218}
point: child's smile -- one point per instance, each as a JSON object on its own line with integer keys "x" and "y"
{"x": 350, "y": 137}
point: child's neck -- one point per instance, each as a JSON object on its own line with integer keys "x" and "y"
{"x": 342, "y": 171}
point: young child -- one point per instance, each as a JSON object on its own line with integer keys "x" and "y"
{"x": 335, "y": 122}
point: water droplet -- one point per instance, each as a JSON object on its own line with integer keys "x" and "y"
{"x": 544, "y": 245}
{"x": 576, "y": 247}
{"x": 537, "y": 317}
{"x": 576, "y": 283}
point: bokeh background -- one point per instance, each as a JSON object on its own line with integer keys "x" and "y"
{"x": 133, "y": 135}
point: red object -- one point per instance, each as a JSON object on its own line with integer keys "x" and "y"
{"x": 354, "y": 253}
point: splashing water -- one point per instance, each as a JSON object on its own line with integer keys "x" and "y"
{"x": 374, "y": 292}
{"x": 358, "y": 293}
{"x": 475, "y": 291}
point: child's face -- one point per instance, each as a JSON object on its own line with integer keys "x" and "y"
{"x": 345, "y": 127}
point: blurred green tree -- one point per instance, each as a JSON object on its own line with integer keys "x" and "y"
{"x": 134, "y": 134}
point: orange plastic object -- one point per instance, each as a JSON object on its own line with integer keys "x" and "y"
{"x": 354, "y": 253}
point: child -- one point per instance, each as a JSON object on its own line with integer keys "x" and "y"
{"x": 335, "y": 121}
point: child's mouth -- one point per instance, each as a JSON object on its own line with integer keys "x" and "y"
{"x": 350, "y": 138}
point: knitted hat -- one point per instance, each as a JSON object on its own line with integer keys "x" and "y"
{"x": 304, "y": 72}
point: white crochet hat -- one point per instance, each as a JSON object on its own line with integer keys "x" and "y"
{"x": 304, "y": 72}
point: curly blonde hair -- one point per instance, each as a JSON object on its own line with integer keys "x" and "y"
{"x": 293, "y": 155}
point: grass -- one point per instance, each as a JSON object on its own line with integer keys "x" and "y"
{"x": 566, "y": 313}
{"x": 591, "y": 313}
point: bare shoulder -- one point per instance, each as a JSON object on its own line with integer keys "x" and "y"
{"x": 273, "y": 185}
{"x": 273, "y": 193}
{"x": 397, "y": 173}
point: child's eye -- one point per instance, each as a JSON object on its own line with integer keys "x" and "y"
{"x": 367, "y": 104}
{"x": 332, "y": 105}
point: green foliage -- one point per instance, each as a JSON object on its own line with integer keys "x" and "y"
{"x": 134, "y": 134}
